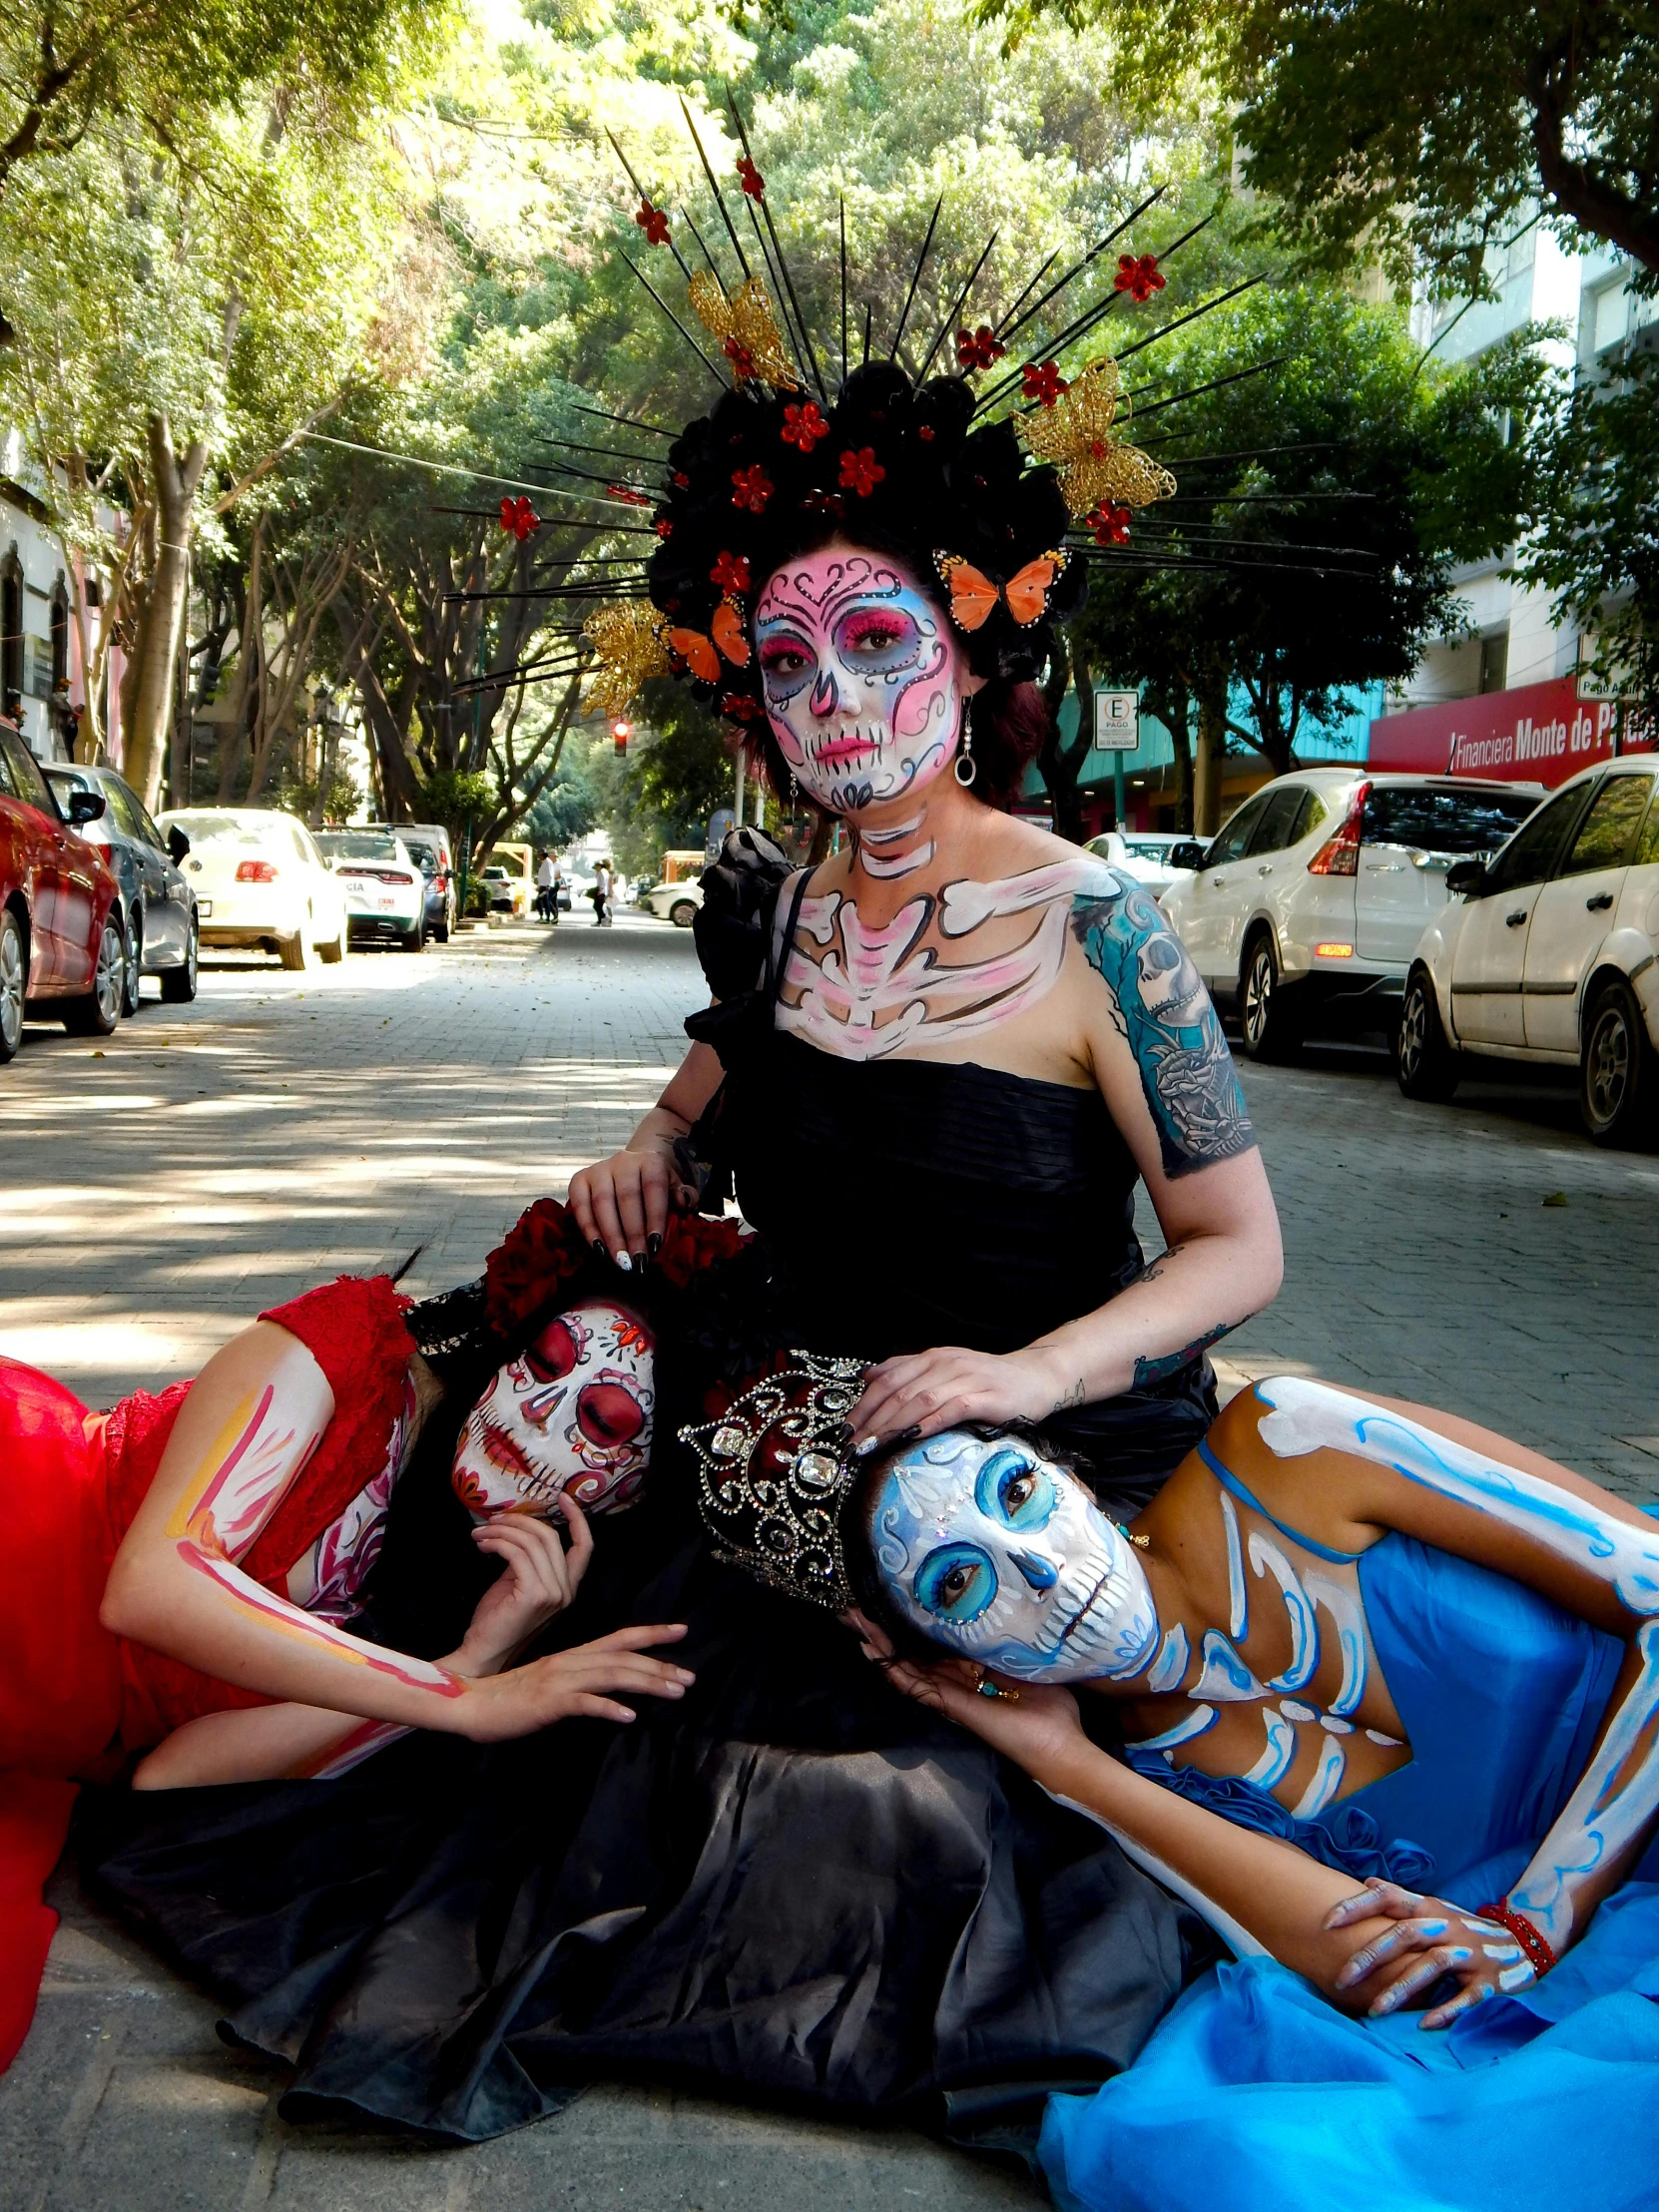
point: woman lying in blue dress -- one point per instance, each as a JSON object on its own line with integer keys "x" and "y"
{"x": 1388, "y": 1688}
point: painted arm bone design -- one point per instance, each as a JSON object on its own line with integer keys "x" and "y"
{"x": 237, "y": 1486}
{"x": 1617, "y": 1797}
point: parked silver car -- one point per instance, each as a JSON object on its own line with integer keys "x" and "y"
{"x": 158, "y": 907}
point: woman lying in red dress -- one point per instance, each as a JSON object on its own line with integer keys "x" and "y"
{"x": 177, "y": 1577}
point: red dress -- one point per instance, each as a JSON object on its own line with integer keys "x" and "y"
{"x": 73, "y": 1696}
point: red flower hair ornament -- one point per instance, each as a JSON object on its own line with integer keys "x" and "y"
{"x": 860, "y": 471}
{"x": 1139, "y": 275}
{"x": 1043, "y": 382}
{"x": 804, "y": 425}
{"x": 750, "y": 488}
{"x": 545, "y": 1248}
{"x": 653, "y": 222}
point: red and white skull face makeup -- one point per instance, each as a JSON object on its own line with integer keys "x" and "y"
{"x": 572, "y": 1413}
{"x": 862, "y": 675}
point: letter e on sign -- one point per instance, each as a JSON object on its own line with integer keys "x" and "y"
{"x": 1117, "y": 721}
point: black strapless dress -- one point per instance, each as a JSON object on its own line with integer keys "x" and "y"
{"x": 795, "y": 1885}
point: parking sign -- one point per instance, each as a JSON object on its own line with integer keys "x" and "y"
{"x": 1117, "y": 721}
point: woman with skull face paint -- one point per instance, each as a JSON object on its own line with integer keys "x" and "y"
{"x": 185, "y": 1581}
{"x": 1387, "y": 1702}
{"x": 967, "y": 1036}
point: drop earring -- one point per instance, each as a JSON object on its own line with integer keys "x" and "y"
{"x": 965, "y": 759}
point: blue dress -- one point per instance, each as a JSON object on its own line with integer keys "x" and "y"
{"x": 1256, "y": 2095}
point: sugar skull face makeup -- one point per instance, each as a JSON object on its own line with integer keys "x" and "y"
{"x": 572, "y": 1413}
{"x": 861, "y": 677}
{"x": 1004, "y": 1558}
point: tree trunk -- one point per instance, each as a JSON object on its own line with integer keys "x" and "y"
{"x": 1173, "y": 707}
{"x": 1212, "y": 748}
{"x": 1061, "y": 764}
{"x": 149, "y": 698}
{"x": 400, "y": 787}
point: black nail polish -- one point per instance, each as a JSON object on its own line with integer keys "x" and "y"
{"x": 638, "y": 1259}
{"x": 907, "y": 1435}
{"x": 654, "y": 1244}
{"x": 599, "y": 1248}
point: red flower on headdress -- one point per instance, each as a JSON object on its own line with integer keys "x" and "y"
{"x": 653, "y": 222}
{"x": 925, "y": 431}
{"x": 740, "y": 358}
{"x": 739, "y": 706}
{"x": 1043, "y": 381}
{"x": 754, "y": 184}
{"x": 1139, "y": 275}
{"x": 627, "y": 492}
{"x": 542, "y": 1251}
{"x": 750, "y": 488}
{"x": 804, "y": 425}
{"x": 860, "y": 470}
{"x": 978, "y": 348}
{"x": 694, "y": 1242}
{"x": 682, "y": 481}
{"x": 664, "y": 526}
{"x": 1110, "y": 524}
{"x": 519, "y": 517}
{"x": 731, "y": 572}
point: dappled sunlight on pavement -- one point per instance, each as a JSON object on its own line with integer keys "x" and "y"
{"x": 167, "y": 1182}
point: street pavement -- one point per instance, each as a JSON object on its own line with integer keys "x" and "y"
{"x": 162, "y": 1185}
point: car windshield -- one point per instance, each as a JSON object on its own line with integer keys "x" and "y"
{"x": 1443, "y": 821}
{"x": 208, "y": 829}
{"x": 1148, "y": 848}
{"x": 346, "y": 847}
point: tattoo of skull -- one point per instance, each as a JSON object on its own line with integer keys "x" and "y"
{"x": 1164, "y": 1012}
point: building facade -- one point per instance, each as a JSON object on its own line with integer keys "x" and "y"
{"x": 42, "y": 595}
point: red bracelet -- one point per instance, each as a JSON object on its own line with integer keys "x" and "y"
{"x": 1536, "y": 1946}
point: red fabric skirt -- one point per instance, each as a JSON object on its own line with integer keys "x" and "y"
{"x": 60, "y": 1670}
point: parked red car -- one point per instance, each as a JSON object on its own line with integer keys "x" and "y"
{"x": 62, "y": 952}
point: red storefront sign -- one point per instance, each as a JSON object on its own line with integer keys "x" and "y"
{"x": 1542, "y": 734}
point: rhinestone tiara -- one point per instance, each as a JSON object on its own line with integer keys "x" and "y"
{"x": 773, "y": 1472}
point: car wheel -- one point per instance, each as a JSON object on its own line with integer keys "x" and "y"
{"x": 682, "y": 913}
{"x": 1618, "y": 1090}
{"x": 414, "y": 940}
{"x": 14, "y": 985}
{"x": 95, "y": 1014}
{"x": 178, "y": 983}
{"x": 1425, "y": 1067}
{"x": 1267, "y": 1025}
{"x": 293, "y": 952}
{"x": 133, "y": 970}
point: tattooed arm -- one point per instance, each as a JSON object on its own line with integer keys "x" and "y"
{"x": 1153, "y": 1040}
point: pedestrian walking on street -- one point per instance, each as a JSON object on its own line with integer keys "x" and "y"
{"x": 601, "y": 893}
{"x": 547, "y": 890}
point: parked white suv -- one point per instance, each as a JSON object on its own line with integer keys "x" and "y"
{"x": 1305, "y": 910}
{"x": 1551, "y": 954}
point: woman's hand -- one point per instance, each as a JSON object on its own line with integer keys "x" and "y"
{"x": 621, "y": 1204}
{"x": 1429, "y": 1940}
{"x": 540, "y": 1578}
{"x": 921, "y": 1392}
{"x": 1031, "y": 1723}
{"x": 581, "y": 1682}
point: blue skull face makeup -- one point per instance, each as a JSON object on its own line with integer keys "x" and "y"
{"x": 990, "y": 1550}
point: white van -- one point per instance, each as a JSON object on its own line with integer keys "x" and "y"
{"x": 1305, "y": 910}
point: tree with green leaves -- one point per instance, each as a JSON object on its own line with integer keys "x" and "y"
{"x": 1408, "y": 134}
{"x": 1321, "y": 508}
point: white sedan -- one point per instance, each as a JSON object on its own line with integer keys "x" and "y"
{"x": 676, "y": 903}
{"x": 384, "y": 890}
{"x": 260, "y": 882}
{"x": 1143, "y": 855}
{"x": 1550, "y": 954}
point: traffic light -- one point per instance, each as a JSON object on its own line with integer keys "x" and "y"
{"x": 621, "y": 730}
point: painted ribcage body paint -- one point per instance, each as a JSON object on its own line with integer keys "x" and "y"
{"x": 1618, "y": 1795}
